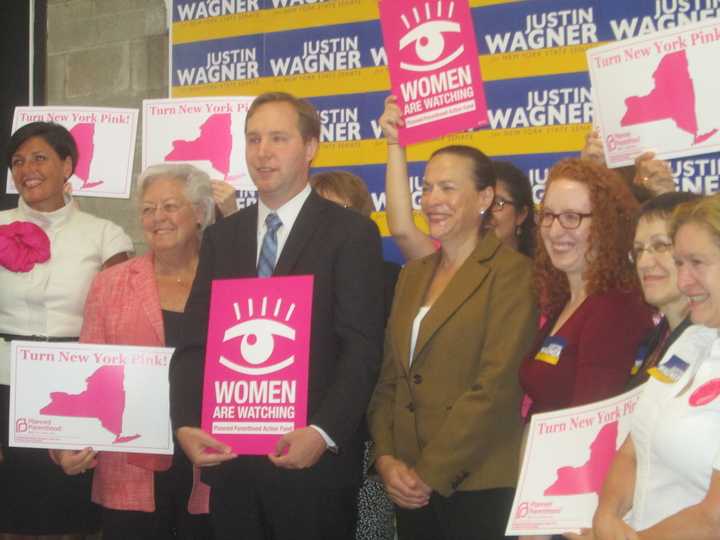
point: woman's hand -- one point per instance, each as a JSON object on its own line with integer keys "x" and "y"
{"x": 224, "y": 197}
{"x": 654, "y": 174}
{"x": 593, "y": 149}
{"x": 75, "y": 461}
{"x": 391, "y": 120}
{"x": 402, "y": 483}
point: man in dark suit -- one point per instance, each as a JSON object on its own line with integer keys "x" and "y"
{"x": 307, "y": 489}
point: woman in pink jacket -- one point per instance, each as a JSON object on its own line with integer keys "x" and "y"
{"x": 140, "y": 302}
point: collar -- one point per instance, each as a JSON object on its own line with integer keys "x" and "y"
{"x": 47, "y": 220}
{"x": 487, "y": 246}
{"x": 287, "y": 213}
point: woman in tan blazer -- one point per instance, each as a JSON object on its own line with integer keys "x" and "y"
{"x": 445, "y": 413}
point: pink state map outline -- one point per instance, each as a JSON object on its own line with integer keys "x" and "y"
{"x": 588, "y": 477}
{"x": 672, "y": 97}
{"x": 102, "y": 399}
{"x": 214, "y": 144}
{"x": 84, "y": 135}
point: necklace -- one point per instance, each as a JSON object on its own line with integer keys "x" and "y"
{"x": 178, "y": 278}
{"x": 181, "y": 276}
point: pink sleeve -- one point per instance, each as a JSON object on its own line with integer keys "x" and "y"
{"x": 93, "y": 328}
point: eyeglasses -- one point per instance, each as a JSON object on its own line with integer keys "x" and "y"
{"x": 658, "y": 246}
{"x": 499, "y": 203}
{"x": 567, "y": 220}
{"x": 169, "y": 208}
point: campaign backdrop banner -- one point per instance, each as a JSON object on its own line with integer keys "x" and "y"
{"x": 532, "y": 56}
{"x": 206, "y": 132}
{"x": 257, "y": 360}
{"x": 567, "y": 456}
{"x": 432, "y": 58}
{"x": 105, "y": 139}
{"x": 73, "y": 396}
{"x": 667, "y": 100}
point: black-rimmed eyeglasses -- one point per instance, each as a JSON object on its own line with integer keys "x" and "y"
{"x": 567, "y": 220}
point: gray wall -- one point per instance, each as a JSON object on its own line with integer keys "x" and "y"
{"x": 108, "y": 53}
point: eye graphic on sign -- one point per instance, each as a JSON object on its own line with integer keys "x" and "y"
{"x": 429, "y": 37}
{"x": 258, "y": 338}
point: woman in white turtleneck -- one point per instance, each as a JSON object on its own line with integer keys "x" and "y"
{"x": 49, "y": 253}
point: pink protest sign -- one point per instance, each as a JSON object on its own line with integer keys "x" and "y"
{"x": 256, "y": 361}
{"x": 434, "y": 68}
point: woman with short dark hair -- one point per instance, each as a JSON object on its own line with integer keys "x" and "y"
{"x": 52, "y": 250}
{"x": 652, "y": 256}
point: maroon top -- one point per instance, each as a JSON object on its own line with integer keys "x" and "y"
{"x": 591, "y": 355}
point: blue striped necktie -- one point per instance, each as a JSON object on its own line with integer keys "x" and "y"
{"x": 268, "y": 251}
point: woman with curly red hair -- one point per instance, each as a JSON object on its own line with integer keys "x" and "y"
{"x": 594, "y": 316}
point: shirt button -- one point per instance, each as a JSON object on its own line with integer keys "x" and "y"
{"x": 417, "y": 378}
{"x": 410, "y": 407}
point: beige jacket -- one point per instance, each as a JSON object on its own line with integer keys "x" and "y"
{"x": 454, "y": 415}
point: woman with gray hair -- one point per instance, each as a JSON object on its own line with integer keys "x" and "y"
{"x": 140, "y": 302}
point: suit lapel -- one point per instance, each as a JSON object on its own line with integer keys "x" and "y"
{"x": 245, "y": 242}
{"x": 308, "y": 220}
{"x": 461, "y": 287}
{"x": 142, "y": 278}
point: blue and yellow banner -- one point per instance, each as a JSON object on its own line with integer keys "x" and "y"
{"x": 531, "y": 54}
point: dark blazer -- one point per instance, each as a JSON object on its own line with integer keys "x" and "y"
{"x": 454, "y": 415}
{"x": 341, "y": 249}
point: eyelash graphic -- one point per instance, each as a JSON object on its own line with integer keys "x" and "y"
{"x": 258, "y": 343}
{"x": 428, "y": 37}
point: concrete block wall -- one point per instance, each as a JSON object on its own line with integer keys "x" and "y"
{"x": 108, "y": 53}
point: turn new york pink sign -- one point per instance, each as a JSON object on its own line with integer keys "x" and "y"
{"x": 434, "y": 68}
{"x": 256, "y": 361}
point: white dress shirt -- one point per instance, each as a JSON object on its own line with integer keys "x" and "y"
{"x": 49, "y": 299}
{"x": 416, "y": 330}
{"x": 287, "y": 213}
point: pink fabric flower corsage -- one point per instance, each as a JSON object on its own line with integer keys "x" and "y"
{"x": 22, "y": 245}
